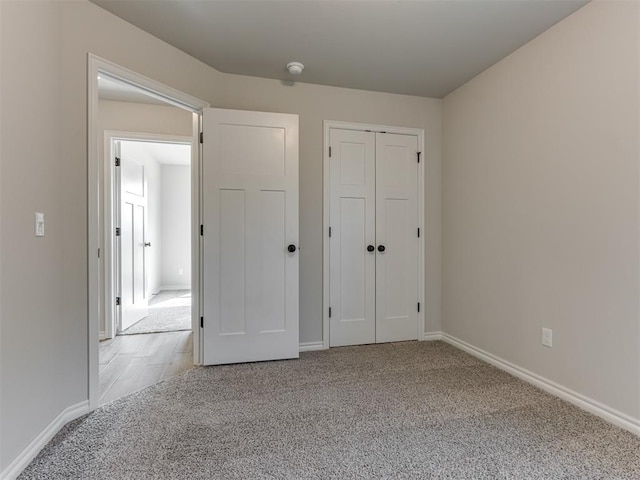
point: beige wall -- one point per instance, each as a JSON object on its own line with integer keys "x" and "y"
{"x": 142, "y": 118}
{"x": 44, "y": 281}
{"x": 314, "y": 103}
{"x": 540, "y": 206}
{"x": 35, "y": 350}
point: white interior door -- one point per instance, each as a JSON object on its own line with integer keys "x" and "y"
{"x": 250, "y": 236}
{"x": 397, "y": 237}
{"x": 373, "y": 247}
{"x": 352, "y": 241}
{"x": 133, "y": 211}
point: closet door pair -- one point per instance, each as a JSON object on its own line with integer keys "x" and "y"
{"x": 373, "y": 238}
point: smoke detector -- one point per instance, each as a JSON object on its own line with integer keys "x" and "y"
{"x": 295, "y": 68}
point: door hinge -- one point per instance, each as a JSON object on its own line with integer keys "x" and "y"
{"x": 418, "y": 306}
{"x": 418, "y": 232}
{"x": 329, "y": 231}
{"x": 329, "y": 152}
{"x": 419, "y": 153}
{"x": 117, "y": 161}
{"x": 329, "y": 312}
{"x": 117, "y": 301}
{"x": 201, "y": 137}
{"x": 117, "y": 231}
{"x": 98, "y": 253}
{"x": 201, "y": 322}
{"x": 201, "y": 230}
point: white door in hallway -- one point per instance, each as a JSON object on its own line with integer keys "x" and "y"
{"x": 250, "y": 236}
{"x": 373, "y": 245}
{"x": 133, "y": 210}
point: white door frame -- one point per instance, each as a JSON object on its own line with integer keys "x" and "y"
{"x": 329, "y": 124}
{"x": 110, "y": 257}
{"x": 96, "y": 172}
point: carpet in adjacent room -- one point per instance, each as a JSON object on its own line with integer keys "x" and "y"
{"x": 169, "y": 311}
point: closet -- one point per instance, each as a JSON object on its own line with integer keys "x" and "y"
{"x": 374, "y": 236}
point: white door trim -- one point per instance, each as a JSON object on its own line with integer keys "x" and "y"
{"x": 96, "y": 210}
{"x": 110, "y": 221}
{"x": 328, "y": 124}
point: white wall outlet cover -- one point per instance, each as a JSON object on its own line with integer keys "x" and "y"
{"x": 547, "y": 337}
{"x": 39, "y": 224}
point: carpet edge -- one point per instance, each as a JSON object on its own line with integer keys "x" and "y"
{"x": 583, "y": 402}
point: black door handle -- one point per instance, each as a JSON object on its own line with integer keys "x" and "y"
{"x": 148, "y": 244}
{"x": 381, "y": 248}
{"x": 370, "y": 248}
{"x": 291, "y": 248}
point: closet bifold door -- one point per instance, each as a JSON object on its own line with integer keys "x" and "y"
{"x": 396, "y": 237}
{"x": 352, "y": 214}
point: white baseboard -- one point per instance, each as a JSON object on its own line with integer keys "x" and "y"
{"x": 29, "y": 453}
{"x": 311, "y": 346}
{"x": 431, "y": 336}
{"x": 174, "y": 287}
{"x": 102, "y": 335}
{"x": 611, "y": 415}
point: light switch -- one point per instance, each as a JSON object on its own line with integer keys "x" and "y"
{"x": 39, "y": 224}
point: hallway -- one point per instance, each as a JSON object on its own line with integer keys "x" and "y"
{"x": 129, "y": 363}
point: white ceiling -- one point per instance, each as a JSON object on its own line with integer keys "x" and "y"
{"x": 163, "y": 153}
{"x": 426, "y": 48}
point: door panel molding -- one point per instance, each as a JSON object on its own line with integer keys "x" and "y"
{"x": 352, "y": 177}
{"x": 250, "y": 216}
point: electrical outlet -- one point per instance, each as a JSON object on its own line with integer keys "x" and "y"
{"x": 547, "y": 337}
{"x": 180, "y": 271}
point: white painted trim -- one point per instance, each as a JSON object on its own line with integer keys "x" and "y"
{"x": 609, "y": 414}
{"x": 29, "y": 453}
{"x": 174, "y": 287}
{"x": 311, "y": 346}
{"x": 197, "y": 280}
{"x": 95, "y": 214}
{"x": 103, "y": 335}
{"x": 432, "y": 336}
{"x": 419, "y": 132}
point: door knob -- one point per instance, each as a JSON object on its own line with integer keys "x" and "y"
{"x": 381, "y": 248}
{"x": 147, "y": 244}
{"x": 291, "y": 248}
{"x": 370, "y": 248}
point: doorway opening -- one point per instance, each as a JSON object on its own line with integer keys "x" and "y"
{"x": 152, "y": 205}
{"x": 144, "y": 174}
{"x": 149, "y": 178}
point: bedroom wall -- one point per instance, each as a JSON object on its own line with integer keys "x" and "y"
{"x": 37, "y": 336}
{"x": 540, "y": 206}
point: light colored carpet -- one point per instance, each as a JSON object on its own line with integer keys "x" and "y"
{"x": 169, "y": 311}
{"x": 395, "y": 411}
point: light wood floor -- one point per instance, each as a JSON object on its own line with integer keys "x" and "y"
{"x": 129, "y": 363}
